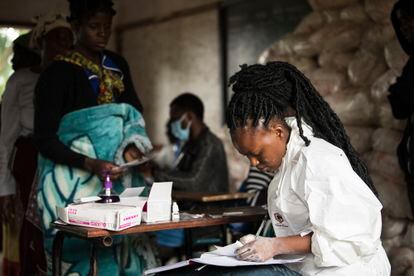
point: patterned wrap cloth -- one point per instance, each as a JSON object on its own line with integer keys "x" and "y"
{"x": 100, "y": 132}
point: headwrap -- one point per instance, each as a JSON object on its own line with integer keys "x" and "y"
{"x": 23, "y": 40}
{"x": 44, "y": 24}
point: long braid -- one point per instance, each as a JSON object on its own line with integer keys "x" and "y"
{"x": 268, "y": 91}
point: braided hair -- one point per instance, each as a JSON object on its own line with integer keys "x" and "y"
{"x": 85, "y": 9}
{"x": 266, "y": 92}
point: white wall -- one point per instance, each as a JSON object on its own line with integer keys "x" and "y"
{"x": 25, "y": 10}
{"x": 133, "y": 10}
{"x": 172, "y": 57}
{"x": 17, "y": 11}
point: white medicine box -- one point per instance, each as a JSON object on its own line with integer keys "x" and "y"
{"x": 159, "y": 203}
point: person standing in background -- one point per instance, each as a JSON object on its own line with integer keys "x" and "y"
{"x": 87, "y": 123}
{"x": 23, "y": 55}
{"x": 52, "y": 35}
{"x": 10, "y": 202}
{"x": 401, "y": 95}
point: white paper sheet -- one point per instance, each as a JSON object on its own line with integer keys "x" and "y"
{"x": 134, "y": 163}
{"x": 132, "y": 192}
{"x": 213, "y": 259}
{"x": 225, "y": 256}
{"x": 166, "y": 267}
{"x": 228, "y": 250}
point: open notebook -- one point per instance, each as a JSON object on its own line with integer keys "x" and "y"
{"x": 224, "y": 256}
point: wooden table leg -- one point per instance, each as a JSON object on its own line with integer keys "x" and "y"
{"x": 96, "y": 243}
{"x": 57, "y": 253}
{"x": 223, "y": 229}
{"x": 188, "y": 243}
{"x": 93, "y": 269}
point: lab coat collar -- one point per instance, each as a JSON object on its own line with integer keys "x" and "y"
{"x": 295, "y": 141}
{"x": 293, "y": 148}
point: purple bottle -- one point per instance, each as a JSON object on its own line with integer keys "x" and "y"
{"x": 107, "y": 195}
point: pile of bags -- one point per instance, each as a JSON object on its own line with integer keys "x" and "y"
{"x": 349, "y": 51}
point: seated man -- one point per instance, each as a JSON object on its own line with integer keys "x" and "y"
{"x": 201, "y": 165}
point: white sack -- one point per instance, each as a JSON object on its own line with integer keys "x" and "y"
{"x": 337, "y": 61}
{"x": 354, "y": 13}
{"x": 386, "y": 140}
{"x": 379, "y": 10}
{"x": 379, "y": 89}
{"x": 408, "y": 238}
{"x": 327, "y": 81}
{"x": 330, "y": 4}
{"x": 395, "y": 56}
{"x": 392, "y": 227}
{"x": 339, "y": 36}
{"x": 355, "y": 110}
{"x": 365, "y": 68}
{"x": 393, "y": 195}
{"x": 391, "y": 243}
{"x": 360, "y": 138}
{"x": 401, "y": 259}
{"x": 386, "y": 118}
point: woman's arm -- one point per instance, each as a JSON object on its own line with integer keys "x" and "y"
{"x": 52, "y": 97}
{"x": 51, "y": 100}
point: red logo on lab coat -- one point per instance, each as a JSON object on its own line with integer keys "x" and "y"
{"x": 278, "y": 217}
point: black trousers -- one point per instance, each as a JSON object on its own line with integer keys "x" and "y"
{"x": 260, "y": 270}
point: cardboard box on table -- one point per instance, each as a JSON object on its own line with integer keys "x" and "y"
{"x": 159, "y": 203}
{"x": 124, "y": 214}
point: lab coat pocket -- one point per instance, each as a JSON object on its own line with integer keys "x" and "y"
{"x": 296, "y": 212}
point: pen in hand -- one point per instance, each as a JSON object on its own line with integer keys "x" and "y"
{"x": 265, "y": 218}
{"x": 250, "y": 237}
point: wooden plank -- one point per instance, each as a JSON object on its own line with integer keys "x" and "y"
{"x": 208, "y": 197}
{"x": 241, "y": 214}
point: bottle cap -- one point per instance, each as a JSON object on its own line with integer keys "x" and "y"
{"x": 175, "y": 207}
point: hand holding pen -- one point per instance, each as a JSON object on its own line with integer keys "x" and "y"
{"x": 256, "y": 248}
{"x": 249, "y": 238}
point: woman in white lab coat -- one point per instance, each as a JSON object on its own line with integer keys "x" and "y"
{"x": 321, "y": 201}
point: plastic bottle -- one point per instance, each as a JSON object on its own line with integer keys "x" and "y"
{"x": 107, "y": 195}
{"x": 175, "y": 215}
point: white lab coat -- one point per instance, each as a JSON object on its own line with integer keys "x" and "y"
{"x": 316, "y": 190}
{"x": 17, "y": 113}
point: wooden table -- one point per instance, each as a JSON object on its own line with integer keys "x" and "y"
{"x": 104, "y": 237}
{"x": 208, "y": 197}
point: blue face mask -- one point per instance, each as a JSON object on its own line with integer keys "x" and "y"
{"x": 182, "y": 134}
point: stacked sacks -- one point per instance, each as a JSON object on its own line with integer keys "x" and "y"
{"x": 349, "y": 51}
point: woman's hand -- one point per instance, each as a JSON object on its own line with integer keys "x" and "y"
{"x": 257, "y": 249}
{"x": 101, "y": 168}
{"x": 261, "y": 249}
{"x": 145, "y": 169}
{"x": 131, "y": 153}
